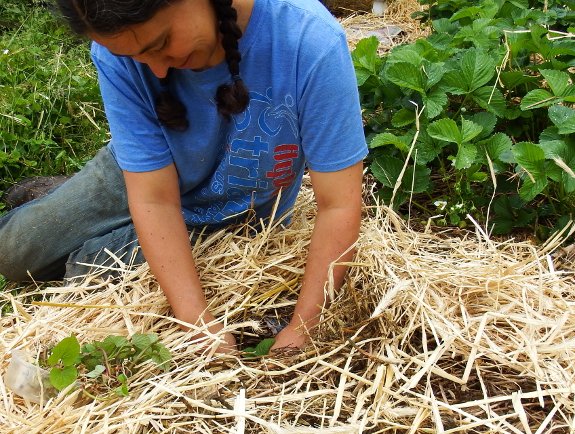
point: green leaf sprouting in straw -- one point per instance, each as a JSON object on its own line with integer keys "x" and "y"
{"x": 96, "y": 372}
{"x": 65, "y": 352}
{"x": 63, "y": 377}
{"x": 123, "y": 389}
{"x": 261, "y": 349}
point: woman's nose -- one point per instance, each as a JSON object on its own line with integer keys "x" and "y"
{"x": 158, "y": 64}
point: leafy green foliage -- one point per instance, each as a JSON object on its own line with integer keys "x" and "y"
{"x": 51, "y": 117}
{"x": 487, "y": 96}
{"x": 261, "y": 349}
{"x": 103, "y": 367}
{"x": 64, "y": 356}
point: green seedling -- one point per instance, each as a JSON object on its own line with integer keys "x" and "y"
{"x": 261, "y": 349}
{"x": 64, "y": 359}
{"x": 103, "y": 367}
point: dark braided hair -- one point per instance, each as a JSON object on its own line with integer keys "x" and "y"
{"x": 170, "y": 110}
{"x": 109, "y": 17}
{"x": 232, "y": 98}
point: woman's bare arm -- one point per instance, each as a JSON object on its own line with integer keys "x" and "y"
{"x": 338, "y": 197}
{"x": 155, "y": 206}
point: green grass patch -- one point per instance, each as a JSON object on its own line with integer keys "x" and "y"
{"x": 51, "y": 118}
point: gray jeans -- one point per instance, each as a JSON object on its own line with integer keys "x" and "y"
{"x": 48, "y": 238}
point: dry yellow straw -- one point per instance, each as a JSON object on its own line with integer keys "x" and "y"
{"x": 431, "y": 331}
{"x": 92, "y": 306}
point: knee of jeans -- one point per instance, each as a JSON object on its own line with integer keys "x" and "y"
{"x": 13, "y": 261}
{"x": 24, "y": 270}
{"x": 13, "y": 272}
{"x": 25, "y": 258}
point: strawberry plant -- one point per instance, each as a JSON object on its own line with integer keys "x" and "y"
{"x": 102, "y": 369}
{"x": 478, "y": 117}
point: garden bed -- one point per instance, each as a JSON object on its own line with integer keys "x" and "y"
{"x": 432, "y": 332}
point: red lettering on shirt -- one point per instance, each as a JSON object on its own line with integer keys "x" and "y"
{"x": 283, "y": 174}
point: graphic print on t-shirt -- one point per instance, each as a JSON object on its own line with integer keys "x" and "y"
{"x": 269, "y": 116}
{"x": 256, "y": 164}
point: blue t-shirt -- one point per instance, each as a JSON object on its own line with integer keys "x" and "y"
{"x": 304, "y": 110}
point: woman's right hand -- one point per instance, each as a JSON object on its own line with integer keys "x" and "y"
{"x": 227, "y": 340}
{"x": 229, "y": 346}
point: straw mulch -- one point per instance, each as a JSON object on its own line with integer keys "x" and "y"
{"x": 393, "y": 28}
{"x": 430, "y": 333}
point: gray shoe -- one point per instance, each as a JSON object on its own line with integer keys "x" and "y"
{"x": 31, "y": 188}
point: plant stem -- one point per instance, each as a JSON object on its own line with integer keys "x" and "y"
{"x": 421, "y": 207}
{"x": 106, "y": 363}
{"x": 461, "y": 106}
{"x": 139, "y": 356}
{"x": 117, "y": 351}
{"x": 88, "y": 394}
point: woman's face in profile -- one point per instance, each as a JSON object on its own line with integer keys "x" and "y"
{"x": 183, "y": 35}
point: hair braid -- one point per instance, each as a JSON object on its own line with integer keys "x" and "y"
{"x": 170, "y": 110}
{"x": 231, "y": 98}
{"x": 108, "y": 17}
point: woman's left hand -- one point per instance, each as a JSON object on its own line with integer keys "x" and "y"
{"x": 289, "y": 339}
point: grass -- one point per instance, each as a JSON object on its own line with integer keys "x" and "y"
{"x": 51, "y": 118}
{"x": 5, "y": 305}
{"x": 3, "y": 283}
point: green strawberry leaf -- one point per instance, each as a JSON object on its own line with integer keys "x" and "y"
{"x": 446, "y": 130}
{"x": 433, "y": 72}
{"x": 478, "y": 177}
{"x": 491, "y": 100}
{"x": 406, "y": 75}
{"x": 537, "y": 98}
{"x": 406, "y": 54}
{"x": 416, "y": 179}
{"x": 564, "y": 118}
{"x": 365, "y": 53}
{"x": 434, "y": 102}
{"x": 497, "y": 144}
{"x": 530, "y": 189}
{"x": 502, "y": 207}
{"x": 487, "y": 122}
{"x": 465, "y": 155}
{"x": 454, "y": 82}
{"x": 362, "y": 75}
{"x": 387, "y": 139}
{"x": 559, "y": 82}
{"x": 530, "y": 156}
{"x": 403, "y": 117}
{"x": 501, "y": 225}
{"x": 477, "y": 67}
{"x": 387, "y": 170}
{"x": 469, "y": 130}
